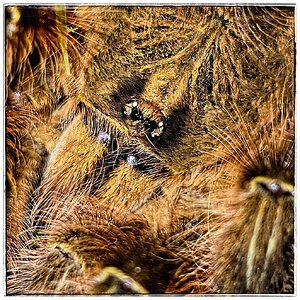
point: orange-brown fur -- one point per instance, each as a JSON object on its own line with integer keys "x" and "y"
{"x": 97, "y": 203}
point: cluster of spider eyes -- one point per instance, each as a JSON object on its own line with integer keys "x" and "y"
{"x": 132, "y": 112}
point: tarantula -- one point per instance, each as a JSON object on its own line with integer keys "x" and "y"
{"x": 150, "y": 149}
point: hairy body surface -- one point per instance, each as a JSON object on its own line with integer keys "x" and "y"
{"x": 150, "y": 149}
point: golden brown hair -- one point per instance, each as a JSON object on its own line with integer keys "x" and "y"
{"x": 150, "y": 149}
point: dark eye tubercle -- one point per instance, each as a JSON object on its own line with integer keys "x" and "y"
{"x": 132, "y": 111}
{"x": 152, "y": 128}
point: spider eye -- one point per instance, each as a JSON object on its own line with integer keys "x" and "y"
{"x": 132, "y": 111}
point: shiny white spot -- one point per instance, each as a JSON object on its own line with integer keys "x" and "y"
{"x": 11, "y": 29}
{"x": 200, "y": 196}
{"x": 134, "y": 104}
{"x": 274, "y": 187}
{"x": 132, "y": 160}
{"x": 18, "y": 94}
{"x": 104, "y": 137}
{"x": 189, "y": 225}
{"x": 161, "y": 124}
{"x": 127, "y": 285}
